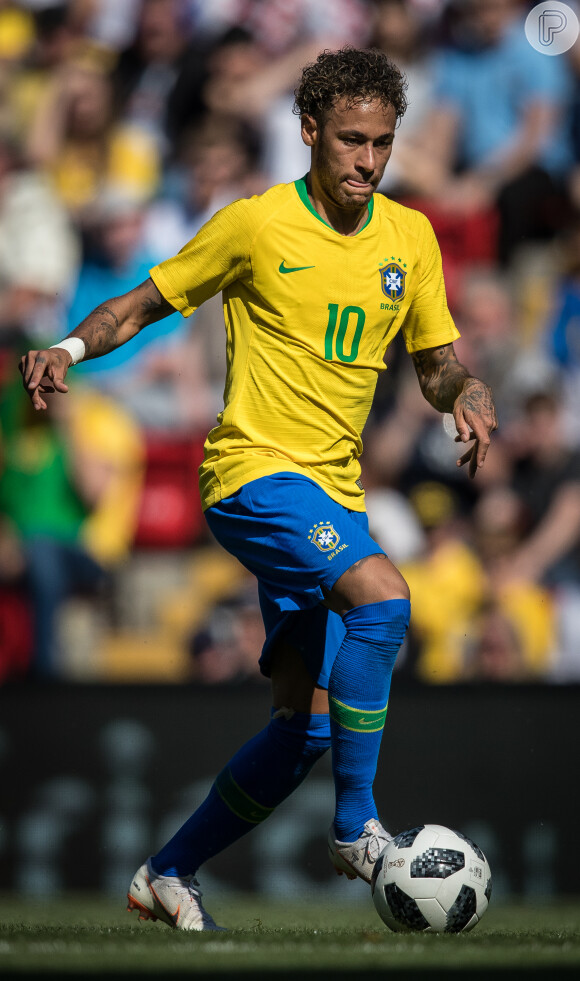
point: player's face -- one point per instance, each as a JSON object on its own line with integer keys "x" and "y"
{"x": 349, "y": 152}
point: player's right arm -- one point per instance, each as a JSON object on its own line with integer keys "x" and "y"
{"x": 111, "y": 324}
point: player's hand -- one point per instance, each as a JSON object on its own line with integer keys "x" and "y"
{"x": 43, "y": 372}
{"x": 475, "y": 419}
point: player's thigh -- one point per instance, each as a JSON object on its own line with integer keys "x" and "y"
{"x": 373, "y": 579}
{"x": 299, "y": 543}
{"x": 296, "y": 540}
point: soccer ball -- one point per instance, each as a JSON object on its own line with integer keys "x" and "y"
{"x": 432, "y": 880}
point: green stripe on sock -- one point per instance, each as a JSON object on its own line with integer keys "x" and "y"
{"x": 240, "y": 803}
{"x": 357, "y": 720}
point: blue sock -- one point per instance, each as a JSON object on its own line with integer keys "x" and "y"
{"x": 265, "y": 771}
{"x": 358, "y": 693}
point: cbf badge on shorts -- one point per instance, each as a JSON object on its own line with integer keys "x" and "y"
{"x": 324, "y": 537}
{"x": 393, "y": 278}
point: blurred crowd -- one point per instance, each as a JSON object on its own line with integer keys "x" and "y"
{"x": 123, "y": 127}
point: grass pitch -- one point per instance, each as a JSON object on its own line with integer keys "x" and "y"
{"x": 95, "y": 936}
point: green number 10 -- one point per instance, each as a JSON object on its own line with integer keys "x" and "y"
{"x": 329, "y": 339}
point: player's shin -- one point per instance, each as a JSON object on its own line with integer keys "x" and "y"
{"x": 263, "y": 773}
{"x": 358, "y": 696}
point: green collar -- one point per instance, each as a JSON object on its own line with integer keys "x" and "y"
{"x": 300, "y": 186}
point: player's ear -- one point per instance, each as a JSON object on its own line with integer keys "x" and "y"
{"x": 309, "y": 129}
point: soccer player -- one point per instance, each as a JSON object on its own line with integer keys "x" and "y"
{"x": 317, "y": 277}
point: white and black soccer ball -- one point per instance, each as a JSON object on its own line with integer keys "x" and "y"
{"x": 433, "y": 880}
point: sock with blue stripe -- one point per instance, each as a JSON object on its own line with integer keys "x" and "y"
{"x": 263, "y": 773}
{"x": 358, "y": 694}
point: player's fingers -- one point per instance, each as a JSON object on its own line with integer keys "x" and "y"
{"x": 37, "y": 399}
{"x": 474, "y": 457}
{"x": 463, "y": 429}
{"x": 481, "y": 447}
{"x": 34, "y": 369}
{"x": 38, "y": 370}
{"x": 469, "y": 458}
{"x": 59, "y": 385}
{"x": 27, "y": 365}
{"x": 465, "y": 458}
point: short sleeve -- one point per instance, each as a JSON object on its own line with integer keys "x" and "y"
{"x": 212, "y": 260}
{"x": 429, "y": 322}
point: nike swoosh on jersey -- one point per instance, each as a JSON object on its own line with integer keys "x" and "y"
{"x": 366, "y": 722}
{"x": 288, "y": 269}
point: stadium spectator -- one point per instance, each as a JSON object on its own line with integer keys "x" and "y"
{"x": 488, "y": 319}
{"x": 547, "y": 481}
{"x": 500, "y": 124}
{"x": 448, "y": 586}
{"x": 108, "y": 22}
{"x": 39, "y": 251}
{"x": 32, "y": 45}
{"x": 560, "y": 338}
{"x": 157, "y": 380}
{"x": 69, "y": 496}
{"x": 159, "y": 76}
{"x": 573, "y": 56}
{"x": 216, "y": 163}
{"x": 469, "y": 623}
{"x": 255, "y": 60}
{"x": 76, "y": 137}
{"x": 498, "y": 653}
{"x": 400, "y": 30}
{"x": 515, "y": 606}
{"x": 224, "y": 648}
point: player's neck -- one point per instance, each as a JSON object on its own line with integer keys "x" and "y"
{"x": 344, "y": 221}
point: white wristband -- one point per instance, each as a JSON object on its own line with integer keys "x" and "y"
{"x": 75, "y": 347}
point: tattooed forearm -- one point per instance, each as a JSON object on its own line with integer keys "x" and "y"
{"x": 441, "y": 376}
{"x": 99, "y": 331}
{"x": 118, "y": 320}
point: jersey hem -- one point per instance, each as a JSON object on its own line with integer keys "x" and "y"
{"x": 214, "y": 488}
{"x": 168, "y": 293}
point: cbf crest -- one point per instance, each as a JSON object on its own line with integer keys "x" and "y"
{"x": 393, "y": 278}
{"x": 324, "y": 537}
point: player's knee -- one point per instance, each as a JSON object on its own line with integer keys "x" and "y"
{"x": 372, "y": 580}
{"x": 390, "y": 582}
{"x": 399, "y": 589}
{"x": 380, "y": 626}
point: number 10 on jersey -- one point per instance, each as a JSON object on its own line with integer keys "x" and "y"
{"x": 351, "y": 319}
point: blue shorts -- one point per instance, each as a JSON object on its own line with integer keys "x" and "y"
{"x": 295, "y": 539}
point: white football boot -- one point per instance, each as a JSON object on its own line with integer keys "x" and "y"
{"x": 352, "y": 858}
{"x": 174, "y": 899}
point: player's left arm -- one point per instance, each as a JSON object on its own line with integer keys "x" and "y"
{"x": 112, "y": 323}
{"x": 448, "y": 387}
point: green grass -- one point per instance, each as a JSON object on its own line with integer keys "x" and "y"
{"x": 84, "y": 934}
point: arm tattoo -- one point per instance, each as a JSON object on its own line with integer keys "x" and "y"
{"x": 477, "y": 399}
{"x": 154, "y": 306}
{"x": 440, "y": 375}
{"x": 101, "y": 335}
{"x": 117, "y": 320}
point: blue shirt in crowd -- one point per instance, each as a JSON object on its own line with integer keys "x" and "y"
{"x": 490, "y": 88}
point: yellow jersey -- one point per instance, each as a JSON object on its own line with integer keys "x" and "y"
{"x": 309, "y": 314}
